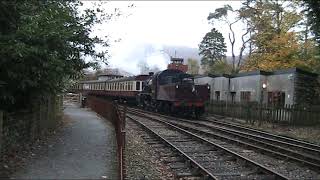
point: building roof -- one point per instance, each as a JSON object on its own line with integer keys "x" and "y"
{"x": 265, "y": 73}
{"x": 295, "y": 70}
{"x": 253, "y": 73}
{"x": 110, "y": 75}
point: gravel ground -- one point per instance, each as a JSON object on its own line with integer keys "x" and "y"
{"x": 141, "y": 160}
{"x": 307, "y": 133}
{"x": 83, "y": 149}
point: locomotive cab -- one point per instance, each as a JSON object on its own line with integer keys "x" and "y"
{"x": 172, "y": 91}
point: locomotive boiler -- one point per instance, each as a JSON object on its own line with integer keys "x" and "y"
{"x": 173, "y": 91}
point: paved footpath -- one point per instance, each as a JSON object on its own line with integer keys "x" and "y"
{"x": 84, "y": 149}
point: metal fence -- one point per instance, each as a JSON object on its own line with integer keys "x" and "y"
{"x": 109, "y": 110}
{"x": 254, "y": 112}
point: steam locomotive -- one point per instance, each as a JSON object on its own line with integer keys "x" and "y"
{"x": 171, "y": 91}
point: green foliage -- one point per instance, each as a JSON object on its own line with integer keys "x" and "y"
{"x": 42, "y": 44}
{"x": 268, "y": 19}
{"x": 193, "y": 66}
{"x": 212, "y": 48}
{"x": 221, "y": 67}
{"x": 220, "y": 13}
{"x": 313, "y": 13}
{"x": 275, "y": 41}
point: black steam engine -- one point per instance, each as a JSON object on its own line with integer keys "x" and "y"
{"x": 173, "y": 91}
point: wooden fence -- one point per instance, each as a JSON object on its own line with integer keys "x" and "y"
{"x": 254, "y": 112}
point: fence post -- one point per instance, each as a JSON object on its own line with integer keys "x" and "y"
{"x": 123, "y": 136}
{"x": 1, "y": 123}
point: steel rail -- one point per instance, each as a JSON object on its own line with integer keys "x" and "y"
{"x": 260, "y": 134}
{"x": 204, "y": 171}
{"x": 305, "y": 144}
{"x": 312, "y": 161}
{"x": 260, "y": 166}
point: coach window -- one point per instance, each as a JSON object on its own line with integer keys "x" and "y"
{"x": 138, "y": 85}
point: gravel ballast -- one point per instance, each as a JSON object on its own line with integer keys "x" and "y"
{"x": 141, "y": 161}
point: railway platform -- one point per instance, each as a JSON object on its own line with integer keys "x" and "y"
{"x": 85, "y": 148}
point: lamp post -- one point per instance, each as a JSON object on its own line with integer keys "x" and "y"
{"x": 264, "y": 86}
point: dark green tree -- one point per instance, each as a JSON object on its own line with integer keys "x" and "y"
{"x": 212, "y": 48}
{"x": 313, "y": 13}
{"x": 42, "y": 45}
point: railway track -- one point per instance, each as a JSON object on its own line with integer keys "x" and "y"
{"x": 306, "y": 146}
{"x": 277, "y": 146}
{"x": 203, "y": 158}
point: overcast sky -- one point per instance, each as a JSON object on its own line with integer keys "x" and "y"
{"x": 149, "y": 25}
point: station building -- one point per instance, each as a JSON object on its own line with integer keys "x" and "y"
{"x": 288, "y": 86}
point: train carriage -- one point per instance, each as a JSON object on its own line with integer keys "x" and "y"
{"x": 125, "y": 88}
{"x": 171, "y": 91}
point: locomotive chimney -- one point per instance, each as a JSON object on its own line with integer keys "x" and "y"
{"x": 151, "y": 73}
